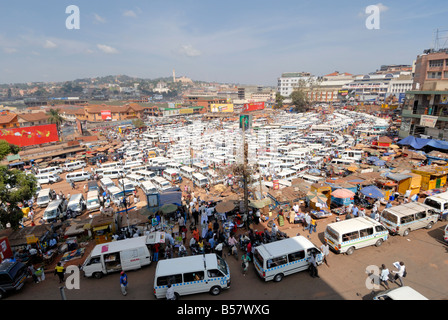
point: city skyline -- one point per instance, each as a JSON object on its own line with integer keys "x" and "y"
{"x": 234, "y": 42}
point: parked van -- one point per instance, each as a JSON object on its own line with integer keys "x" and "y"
{"x": 438, "y": 203}
{"x": 192, "y": 274}
{"x": 93, "y": 186}
{"x": 200, "y": 180}
{"x": 128, "y": 254}
{"x": 110, "y": 165}
{"x": 342, "y": 161}
{"x": 200, "y": 167}
{"x": 107, "y": 183}
{"x": 56, "y": 170}
{"x": 126, "y": 185}
{"x": 407, "y": 217}
{"x": 280, "y": 258}
{"x": 161, "y": 184}
{"x": 113, "y": 173}
{"x": 310, "y": 178}
{"x": 77, "y": 204}
{"x": 43, "y": 198}
{"x": 401, "y": 293}
{"x": 347, "y": 235}
{"x": 77, "y": 176}
{"x": 48, "y": 178}
{"x": 135, "y": 179}
{"x": 148, "y": 187}
{"x": 148, "y": 175}
{"x": 187, "y": 172}
{"x": 70, "y": 166}
{"x": 93, "y": 201}
{"x": 171, "y": 175}
{"x": 55, "y": 211}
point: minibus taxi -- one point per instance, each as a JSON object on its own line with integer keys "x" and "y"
{"x": 407, "y": 217}
{"x": 200, "y": 180}
{"x": 187, "y": 172}
{"x": 75, "y": 165}
{"x": 192, "y": 274}
{"x": 43, "y": 198}
{"x": 171, "y": 175}
{"x": 438, "y": 203}
{"x": 106, "y": 183}
{"x": 161, "y": 184}
{"x": 347, "y": 235}
{"x": 280, "y": 258}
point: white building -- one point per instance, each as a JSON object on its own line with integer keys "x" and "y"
{"x": 291, "y": 80}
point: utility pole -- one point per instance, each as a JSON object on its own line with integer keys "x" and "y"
{"x": 245, "y": 152}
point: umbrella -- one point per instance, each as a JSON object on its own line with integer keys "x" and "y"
{"x": 352, "y": 168}
{"x": 314, "y": 171}
{"x": 342, "y": 193}
{"x": 168, "y": 208}
{"x": 372, "y": 192}
{"x": 372, "y": 158}
{"x": 258, "y": 204}
{"x": 225, "y": 206}
{"x": 379, "y": 163}
{"x": 316, "y": 197}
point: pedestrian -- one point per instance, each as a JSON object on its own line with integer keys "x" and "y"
{"x": 218, "y": 249}
{"x": 155, "y": 252}
{"x": 325, "y": 248}
{"x": 170, "y": 293}
{"x": 384, "y": 276}
{"x": 245, "y": 262}
{"x": 307, "y": 221}
{"x": 124, "y": 283}
{"x": 59, "y": 271}
{"x": 32, "y": 273}
{"x": 313, "y": 226}
{"x": 313, "y": 266}
{"x": 355, "y": 211}
{"x": 400, "y": 273}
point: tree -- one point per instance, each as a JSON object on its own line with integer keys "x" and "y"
{"x": 138, "y": 123}
{"x": 7, "y": 148}
{"x": 15, "y": 187}
{"x": 56, "y": 118}
{"x": 300, "y": 100}
{"x": 279, "y": 100}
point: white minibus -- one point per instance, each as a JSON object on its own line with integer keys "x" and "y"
{"x": 287, "y": 175}
{"x": 43, "y": 198}
{"x": 200, "y": 180}
{"x": 171, "y": 175}
{"x": 77, "y": 176}
{"x": 407, "y": 217}
{"x": 54, "y": 211}
{"x": 310, "y": 178}
{"x": 93, "y": 201}
{"x": 148, "y": 175}
{"x": 110, "y": 165}
{"x": 113, "y": 173}
{"x": 161, "y": 184}
{"x": 56, "y": 170}
{"x": 48, "y": 178}
{"x": 280, "y": 258}
{"x": 187, "y": 172}
{"x": 76, "y": 204}
{"x": 192, "y": 274}
{"x": 438, "y": 203}
{"x": 148, "y": 187}
{"x": 347, "y": 235}
{"x": 135, "y": 179}
{"x": 107, "y": 183}
{"x": 126, "y": 185}
{"x": 128, "y": 254}
{"x": 201, "y": 167}
{"x": 75, "y": 165}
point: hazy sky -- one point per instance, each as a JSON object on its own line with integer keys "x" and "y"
{"x": 250, "y": 42}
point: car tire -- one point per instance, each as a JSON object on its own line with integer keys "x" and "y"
{"x": 406, "y": 232}
{"x": 278, "y": 277}
{"x": 430, "y": 225}
{"x": 98, "y": 275}
{"x": 379, "y": 242}
{"x": 214, "y": 291}
{"x": 350, "y": 250}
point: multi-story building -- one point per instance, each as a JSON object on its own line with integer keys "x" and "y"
{"x": 398, "y": 88}
{"x": 327, "y": 87}
{"x": 425, "y": 111}
{"x": 369, "y": 87}
{"x": 291, "y": 80}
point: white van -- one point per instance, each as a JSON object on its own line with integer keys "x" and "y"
{"x": 347, "y": 235}
{"x": 113, "y": 173}
{"x": 310, "y": 178}
{"x": 77, "y": 204}
{"x": 135, "y": 179}
{"x": 56, "y": 170}
{"x": 187, "y": 172}
{"x": 93, "y": 201}
{"x": 126, "y": 185}
{"x": 407, "y": 217}
{"x": 280, "y": 258}
{"x": 128, "y": 254}
{"x": 401, "y": 293}
{"x": 106, "y": 183}
{"x": 148, "y": 175}
{"x": 48, "y": 178}
{"x": 343, "y": 161}
{"x": 43, "y": 198}
{"x": 77, "y": 176}
{"x": 200, "y": 180}
{"x": 75, "y": 165}
{"x": 192, "y": 274}
{"x": 54, "y": 211}
{"x": 110, "y": 165}
{"x": 171, "y": 175}
{"x": 148, "y": 187}
{"x": 438, "y": 203}
{"x": 161, "y": 184}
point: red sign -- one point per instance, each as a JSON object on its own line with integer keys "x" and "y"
{"x": 276, "y": 184}
{"x": 5, "y": 249}
{"x": 106, "y": 115}
{"x": 253, "y": 106}
{"x": 29, "y": 136}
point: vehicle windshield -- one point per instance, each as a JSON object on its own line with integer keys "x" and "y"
{"x": 50, "y": 213}
{"x": 222, "y": 266}
{"x": 73, "y": 206}
{"x": 43, "y": 199}
{"x": 258, "y": 258}
{"x": 332, "y": 233}
{"x": 389, "y": 216}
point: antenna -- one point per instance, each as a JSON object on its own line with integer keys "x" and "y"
{"x": 440, "y": 39}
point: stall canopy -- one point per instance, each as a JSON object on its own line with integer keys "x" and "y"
{"x": 342, "y": 193}
{"x": 372, "y": 192}
{"x": 420, "y": 143}
{"x": 225, "y": 206}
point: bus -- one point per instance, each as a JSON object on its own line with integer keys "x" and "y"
{"x": 171, "y": 175}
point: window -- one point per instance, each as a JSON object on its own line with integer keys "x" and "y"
{"x": 434, "y": 75}
{"x": 445, "y": 75}
{"x": 350, "y": 236}
{"x": 435, "y": 63}
{"x": 366, "y": 232}
{"x": 173, "y": 279}
{"x": 193, "y": 276}
{"x": 420, "y": 215}
{"x": 214, "y": 273}
{"x": 277, "y": 262}
{"x": 296, "y": 256}
{"x": 94, "y": 260}
{"x": 407, "y": 219}
{"x": 380, "y": 229}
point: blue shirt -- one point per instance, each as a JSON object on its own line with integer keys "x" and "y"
{"x": 124, "y": 280}
{"x": 388, "y": 205}
{"x": 355, "y": 211}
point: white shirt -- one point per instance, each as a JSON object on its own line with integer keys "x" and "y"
{"x": 170, "y": 293}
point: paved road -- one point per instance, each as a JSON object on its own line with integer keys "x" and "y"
{"x": 423, "y": 252}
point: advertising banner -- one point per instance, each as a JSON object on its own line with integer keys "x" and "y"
{"x": 428, "y": 121}
{"x": 106, "y": 115}
{"x": 186, "y": 111}
{"x": 29, "y": 136}
{"x": 227, "y": 107}
{"x": 253, "y": 106}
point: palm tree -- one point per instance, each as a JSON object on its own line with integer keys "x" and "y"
{"x": 56, "y": 118}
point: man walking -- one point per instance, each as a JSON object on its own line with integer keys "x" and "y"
{"x": 384, "y": 276}
{"x": 325, "y": 248}
{"x": 123, "y": 283}
{"x": 59, "y": 271}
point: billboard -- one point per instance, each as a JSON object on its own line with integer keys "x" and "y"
{"x": 225, "y": 107}
{"x": 106, "y": 115}
{"x": 253, "y": 106}
{"x": 29, "y": 136}
{"x": 428, "y": 121}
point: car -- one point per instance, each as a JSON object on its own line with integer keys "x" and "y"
{"x": 13, "y": 275}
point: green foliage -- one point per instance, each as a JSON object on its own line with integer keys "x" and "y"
{"x": 279, "y": 100}
{"x": 138, "y": 123}
{"x": 300, "y": 100}
{"x": 15, "y": 187}
{"x": 7, "y": 148}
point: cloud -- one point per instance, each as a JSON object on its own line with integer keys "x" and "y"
{"x": 189, "y": 51}
{"x": 130, "y": 14}
{"x": 9, "y": 50}
{"x": 99, "y": 18}
{"x": 381, "y": 7}
{"x": 50, "y": 44}
{"x": 107, "y": 49}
